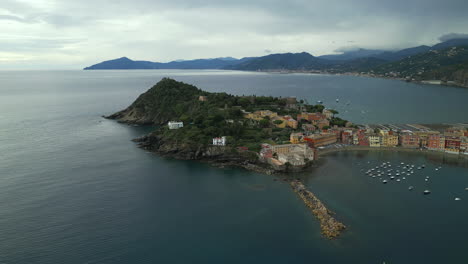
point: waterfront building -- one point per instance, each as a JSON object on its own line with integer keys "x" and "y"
{"x": 202, "y": 98}
{"x": 389, "y": 138}
{"x": 355, "y": 139}
{"x": 347, "y": 137}
{"x": 442, "y": 143}
{"x": 452, "y": 145}
{"x": 219, "y": 141}
{"x": 409, "y": 140}
{"x": 424, "y": 136}
{"x": 455, "y": 132}
{"x": 433, "y": 142}
{"x": 295, "y": 154}
{"x": 318, "y": 140}
{"x": 375, "y": 140}
{"x": 363, "y": 139}
{"x": 464, "y": 145}
{"x": 175, "y": 125}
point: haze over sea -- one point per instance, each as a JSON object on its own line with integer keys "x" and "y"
{"x": 75, "y": 189}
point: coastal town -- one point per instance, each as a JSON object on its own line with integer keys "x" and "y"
{"x": 312, "y": 133}
{"x": 271, "y": 135}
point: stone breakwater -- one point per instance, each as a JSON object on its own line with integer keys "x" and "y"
{"x": 331, "y": 228}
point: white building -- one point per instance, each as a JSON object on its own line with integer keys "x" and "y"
{"x": 175, "y": 125}
{"x": 219, "y": 141}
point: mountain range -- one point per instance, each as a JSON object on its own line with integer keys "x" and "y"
{"x": 416, "y": 63}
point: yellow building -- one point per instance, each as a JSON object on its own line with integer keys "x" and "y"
{"x": 290, "y": 122}
{"x": 375, "y": 141}
{"x": 296, "y": 138}
{"x": 265, "y": 113}
{"x": 253, "y": 116}
{"x": 424, "y": 136}
{"x": 259, "y": 115}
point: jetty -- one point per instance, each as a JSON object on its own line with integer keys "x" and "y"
{"x": 331, "y": 228}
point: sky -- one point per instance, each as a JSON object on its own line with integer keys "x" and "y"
{"x": 72, "y": 34}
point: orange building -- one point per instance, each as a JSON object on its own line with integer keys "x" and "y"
{"x": 320, "y": 140}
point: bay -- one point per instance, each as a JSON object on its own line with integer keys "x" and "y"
{"x": 75, "y": 189}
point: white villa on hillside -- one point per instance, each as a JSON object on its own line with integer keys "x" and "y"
{"x": 219, "y": 141}
{"x": 175, "y": 125}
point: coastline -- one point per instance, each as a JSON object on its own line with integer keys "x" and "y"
{"x": 324, "y": 152}
{"x": 428, "y": 82}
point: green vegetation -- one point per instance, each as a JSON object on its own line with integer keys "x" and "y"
{"x": 221, "y": 114}
{"x": 433, "y": 65}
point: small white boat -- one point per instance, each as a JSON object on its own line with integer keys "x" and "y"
{"x": 426, "y": 192}
{"x": 411, "y": 188}
{"x": 436, "y": 169}
{"x": 457, "y": 199}
{"x": 466, "y": 189}
{"x": 391, "y": 178}
{"x": 384, "y": 181}
{"x": 404, "y": 178}
{"x": 426, "y": 179}
{"x": 398, "y": 180}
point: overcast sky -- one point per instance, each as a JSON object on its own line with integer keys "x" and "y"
{"x": 55, "y": 34}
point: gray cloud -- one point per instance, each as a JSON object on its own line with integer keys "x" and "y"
{"x": 165, "y": 30}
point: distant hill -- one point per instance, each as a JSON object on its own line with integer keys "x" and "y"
{"x": 450, "y": 43}
{"x": 284, "y": 61}
{"x": 353, "y": 54}
{"x": 126, "y": 63}
{"x": 356, "y": 65}
{"x": 450, "y": 64}
{"x": 401, "y": 54}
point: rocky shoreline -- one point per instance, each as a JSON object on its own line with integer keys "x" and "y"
{"x": 214, "y": 155}
{"x": 331, "y": 228}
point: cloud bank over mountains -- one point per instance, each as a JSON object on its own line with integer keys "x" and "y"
{"x": 72, "y": 34}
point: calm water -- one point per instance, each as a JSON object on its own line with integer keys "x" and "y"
{"x": 75, "y": 189}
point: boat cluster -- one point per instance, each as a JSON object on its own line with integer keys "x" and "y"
{"x": 397, "y": 173}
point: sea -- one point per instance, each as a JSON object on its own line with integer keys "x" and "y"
{"x": 74, "y": 188}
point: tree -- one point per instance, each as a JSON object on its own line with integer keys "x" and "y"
{"x": 264, "y": 123}
{"x": 278, "y": 122}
